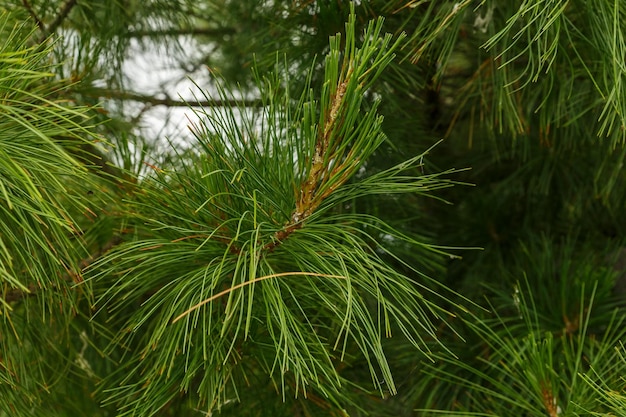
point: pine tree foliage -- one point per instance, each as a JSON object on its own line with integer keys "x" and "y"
{"x": 246, "y": 259}
{"x": 43, "y": 203}
{"x": 379, "y": 207}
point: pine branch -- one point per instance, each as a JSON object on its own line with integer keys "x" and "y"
{"x": 32, "y": 13}
{"x": 213, "y": 32}
{"x": 168, "y": 102}
{"x": 549, "y": 400}
{"x": 308, "y": 199}
{"x": 206, "y": 235}
{"x": 18, "y": 294}
{"x": 334, "y": 161}
{"x": 58, "y": 21}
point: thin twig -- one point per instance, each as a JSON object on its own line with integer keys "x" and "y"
{"x": 252, "y": 281}
{"x": 113, "y": 242}
{"x": 17, "y": 294}
{"x": 154, "y": 101}
{"x": 58, "y": 21}
{"x": 181, "y": 32}
{"x": 32, "y": 13}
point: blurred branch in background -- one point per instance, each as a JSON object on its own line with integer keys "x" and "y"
{"x": 169, "y": 102}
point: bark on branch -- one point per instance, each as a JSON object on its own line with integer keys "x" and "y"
{"x": 17, "y": 294}
{"x": 32, "y": 14}
{"x": 309, "y": 196}
{"x": 58, "y": 21}
{"x": 169, "y": 102}
{"x": 213, "y": 32}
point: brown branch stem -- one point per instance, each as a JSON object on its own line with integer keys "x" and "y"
{"x": 32, "y": 13}
{"x": 549, "y": 400}
{"x": 308, "y": 198}
{"x": 308, "y": 201}
{"x": 58, "y": 21}
{"x": 182, "y": 32}
{"x": 17, "y": 294}
{"x": 168, "y": 102}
